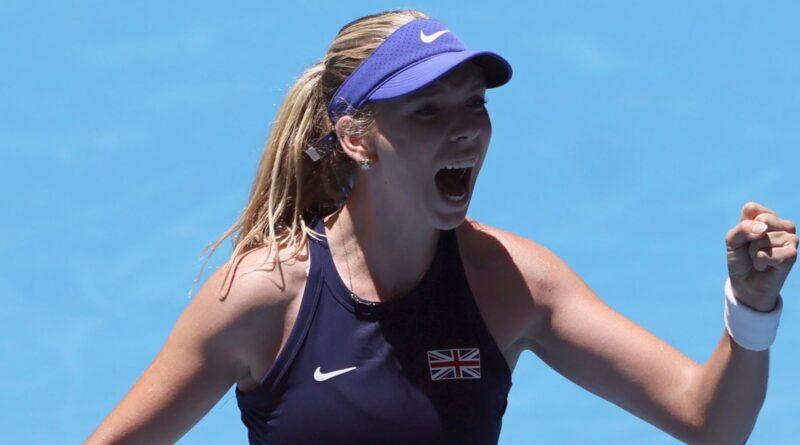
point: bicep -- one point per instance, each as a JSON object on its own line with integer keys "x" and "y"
{"x": 196, "y": 366}
{"x": 606, "y": 353}
{"x": 172, "y": 394}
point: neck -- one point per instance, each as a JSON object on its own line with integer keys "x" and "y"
{"x": 369, "y": 238}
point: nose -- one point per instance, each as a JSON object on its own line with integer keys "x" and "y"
{"x": 464, "y": 129}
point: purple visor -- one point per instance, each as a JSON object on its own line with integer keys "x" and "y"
{"x": 412, "y": 57}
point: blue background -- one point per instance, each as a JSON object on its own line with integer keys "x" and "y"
{"x": 627, "y": 142}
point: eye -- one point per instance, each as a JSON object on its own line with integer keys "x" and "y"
{"x": 426, "y": 110}
{"x": 478, "y": 103}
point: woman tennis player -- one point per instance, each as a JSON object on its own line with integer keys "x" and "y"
{"x": 361, "y": 306}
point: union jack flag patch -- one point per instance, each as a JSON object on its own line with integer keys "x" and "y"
{"x": 447, "y": 364}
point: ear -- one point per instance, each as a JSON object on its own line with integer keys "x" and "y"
{"x": 357, "y": 147}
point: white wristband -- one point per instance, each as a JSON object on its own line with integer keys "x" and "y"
{"x": 750, "y": 329}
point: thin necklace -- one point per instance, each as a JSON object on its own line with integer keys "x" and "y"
{"x": 353, "y": 295}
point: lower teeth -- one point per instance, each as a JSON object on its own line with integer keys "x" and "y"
{"x": 454, "y": 197}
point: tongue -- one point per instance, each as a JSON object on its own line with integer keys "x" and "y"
{"x": 452, "y": 182}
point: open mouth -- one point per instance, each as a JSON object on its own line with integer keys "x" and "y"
{"x": 453, "y": 182}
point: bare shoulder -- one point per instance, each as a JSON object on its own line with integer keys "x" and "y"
{"x": 229, "y": 333}
{"x": 513, "y": 278}
{"x": 260, "y": 277}
{"x": 253, "y": 299}
{"x": 504, "y": 254}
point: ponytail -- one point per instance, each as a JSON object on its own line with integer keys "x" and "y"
{"x": 290, "y": 191}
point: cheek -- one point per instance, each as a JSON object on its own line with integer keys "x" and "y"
{"x": 411, "y": 146}
{"x": 405, "y": 161}
{"x": 486, "y": 130}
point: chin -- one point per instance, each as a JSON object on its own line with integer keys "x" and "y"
{"x": 448, "y": 224}
{"x": 447, "y": 215}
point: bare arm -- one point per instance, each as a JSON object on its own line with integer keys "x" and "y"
{"x": 209, "y": 349}
{"x": 588, "y": 342}
{"x": 611, "y": 356}
{"x": 614, "y": 358}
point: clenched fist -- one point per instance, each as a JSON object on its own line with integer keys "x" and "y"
{"x": 762, "y": 249}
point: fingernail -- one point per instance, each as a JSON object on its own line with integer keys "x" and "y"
{"x": 759, "y": 228}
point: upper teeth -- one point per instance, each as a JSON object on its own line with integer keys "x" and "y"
{"x": 466, "y": 163}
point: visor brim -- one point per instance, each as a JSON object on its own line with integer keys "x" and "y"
{"x": 415, "y": 77}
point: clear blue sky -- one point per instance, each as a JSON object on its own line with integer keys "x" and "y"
{"x": 627, "y": 141}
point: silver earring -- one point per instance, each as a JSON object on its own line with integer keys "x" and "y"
{"x": 365, "y": 164}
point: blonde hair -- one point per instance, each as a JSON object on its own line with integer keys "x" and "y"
{"x": 290, "y": 191}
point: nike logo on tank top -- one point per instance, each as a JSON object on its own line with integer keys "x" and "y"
{"x": 419, "y": 369}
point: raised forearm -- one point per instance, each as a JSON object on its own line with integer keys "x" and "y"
{"x": 730, "y": 390}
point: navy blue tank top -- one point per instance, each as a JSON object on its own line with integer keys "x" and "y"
{"x": 419, "y": 369}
